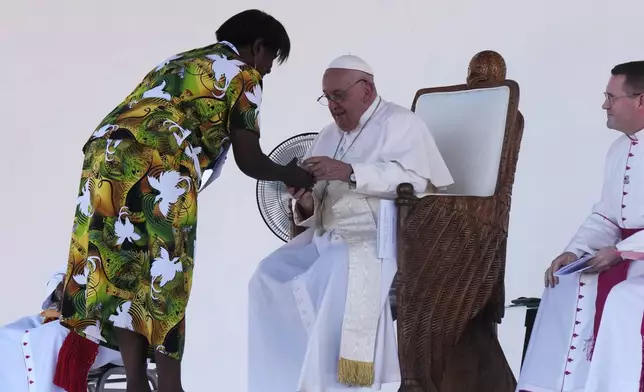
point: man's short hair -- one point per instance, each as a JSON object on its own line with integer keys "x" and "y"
{"x": 634, "y": 73}
{"x": 243, "y": 29}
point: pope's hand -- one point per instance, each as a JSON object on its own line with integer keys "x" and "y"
{"x": 325, "y": 168}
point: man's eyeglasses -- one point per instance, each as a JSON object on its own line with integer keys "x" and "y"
{"x": 610, "y": 98}
{"x": 337, "y": 97}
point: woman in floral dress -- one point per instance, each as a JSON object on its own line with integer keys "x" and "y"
{"x": 131, "y": 257}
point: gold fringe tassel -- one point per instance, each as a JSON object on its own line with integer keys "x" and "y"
{"x": 355, "y": 372}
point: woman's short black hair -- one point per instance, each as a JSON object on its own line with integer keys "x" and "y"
{"x": 246, "y": 27}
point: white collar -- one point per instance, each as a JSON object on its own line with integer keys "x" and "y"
{"x": 636, "y": 136}
{"x": 369, "y": 112}
{"x": 231, "y": 46}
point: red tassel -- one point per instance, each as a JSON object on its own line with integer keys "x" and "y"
{"x": 75, "y": 358}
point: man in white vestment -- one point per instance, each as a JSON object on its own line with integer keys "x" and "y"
{"x": 29, "y": 346}
{"x": 588, "y": 331}
{"x": 319, "y": 317}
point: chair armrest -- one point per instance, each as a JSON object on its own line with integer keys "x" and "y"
{"x": 407, "y": 199}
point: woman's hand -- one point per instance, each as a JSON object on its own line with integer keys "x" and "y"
{"x": 297, "y": 177}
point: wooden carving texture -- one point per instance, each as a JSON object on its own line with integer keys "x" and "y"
{"x": 451, "y": 267}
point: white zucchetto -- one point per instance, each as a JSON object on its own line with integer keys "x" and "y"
{"x": 349, "y": 61}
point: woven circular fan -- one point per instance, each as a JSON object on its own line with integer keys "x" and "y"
{"x": 273, "y": 199}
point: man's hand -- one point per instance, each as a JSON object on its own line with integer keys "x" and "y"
{"x": 550, "y": 280}
{"x": 58, "y": 293}
{"x": 304, "y": 198}
{"x": 325, "y": 168}
{"x": 57, "y": 297}
{"x": 603, "y": 260}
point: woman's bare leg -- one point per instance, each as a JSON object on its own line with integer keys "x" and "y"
{"x": 169, "y": 373}
{"x": 134, "y": 347}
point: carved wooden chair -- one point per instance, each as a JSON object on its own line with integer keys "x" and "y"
{"x": 452, "y": 246}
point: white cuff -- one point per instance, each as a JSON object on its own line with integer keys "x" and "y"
{"x": 577, "y": 252}
{"x": 365, "y": 175}
{"x": 631, "y": 244}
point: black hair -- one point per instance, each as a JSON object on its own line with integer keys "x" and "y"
{"x": 634, "y": 73}
{"x": 243, "y": 29}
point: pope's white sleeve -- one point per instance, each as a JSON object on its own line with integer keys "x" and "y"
{"x": 407, "y": 153}
{"x": 382, "y": 178}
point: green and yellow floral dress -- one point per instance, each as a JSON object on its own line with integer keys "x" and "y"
{"x": 133, "y": 242}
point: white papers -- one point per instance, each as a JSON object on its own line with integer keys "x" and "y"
{"x": 387, "y": 222}
{"x": 630, "y": 255}
{"x": 577, "y": 266}
{"x": 211, "y": 175}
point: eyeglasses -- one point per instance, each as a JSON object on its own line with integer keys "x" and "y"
{"x": 612, "y": 98}
{"x": 337, "y": 97}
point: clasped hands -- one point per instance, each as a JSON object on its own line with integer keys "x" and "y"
{"x": 323, "y": 169}
{"x": 603, "y": 260}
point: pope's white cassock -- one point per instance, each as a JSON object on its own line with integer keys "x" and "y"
{"x": 322, "y": 298}
{"x": 29, "y": 349}
{"x": 588, "y": 331}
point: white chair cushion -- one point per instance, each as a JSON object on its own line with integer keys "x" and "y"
{"x": 469, "y": 127}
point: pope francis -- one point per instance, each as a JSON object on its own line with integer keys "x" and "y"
{"x": 319, "y": 315}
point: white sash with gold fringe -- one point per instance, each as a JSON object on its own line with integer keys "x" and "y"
{"x": 353, "y": 220}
